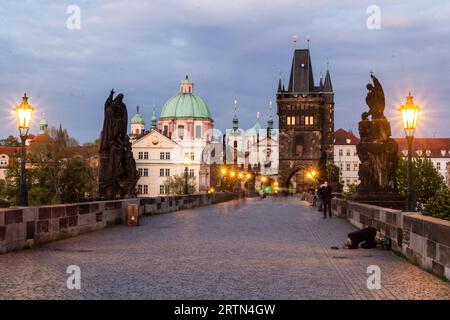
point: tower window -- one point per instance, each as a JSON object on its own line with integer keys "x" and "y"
{"x": 309, "y": 120}
{"x": 198, "y": 132}
{"x": 299, "y": 146}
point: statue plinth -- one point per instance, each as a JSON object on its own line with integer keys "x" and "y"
{"x": 378, "y": 154}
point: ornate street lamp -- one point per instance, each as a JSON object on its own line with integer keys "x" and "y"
{"x": 187, "y": 162}
{"x": 409, "y": 112}
{"x": 24, "y": 112}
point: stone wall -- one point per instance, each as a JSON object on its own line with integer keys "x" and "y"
{"x": 424, "y": 240}
{"x": 26, "y": 227}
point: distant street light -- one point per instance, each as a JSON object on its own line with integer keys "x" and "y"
{"x": 409, "y": 112}
{"x": 187, "y": 162}
{"x": 24, "y": 112}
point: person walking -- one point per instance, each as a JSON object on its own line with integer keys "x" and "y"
{"x": 320, "y": 196}
{"x": 326, "y": 196}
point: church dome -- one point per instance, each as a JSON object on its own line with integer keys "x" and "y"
{"x": 185, "y": 104}
{"x": 137, "y": 119}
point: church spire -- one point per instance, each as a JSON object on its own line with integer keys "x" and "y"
{"x": 328, "y": 87}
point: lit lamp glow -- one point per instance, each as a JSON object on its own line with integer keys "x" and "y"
{"x": 409, "y": 112}
{"x": 24, "y": 113}
{"x": 232, "y": 174}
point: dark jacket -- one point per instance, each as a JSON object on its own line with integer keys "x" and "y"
{"x": 327, "y": 194}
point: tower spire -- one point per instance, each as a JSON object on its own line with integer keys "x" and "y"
{"x": 235, "y": 117}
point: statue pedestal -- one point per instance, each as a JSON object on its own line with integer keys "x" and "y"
{"x": 382, "y": 199}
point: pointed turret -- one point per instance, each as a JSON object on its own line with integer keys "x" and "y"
{"x": 279, "y": 86}
{"x": 301, "y": 78}
{"x": 153, "y": 127}
{"x": 270, "y": 122}
{"x": 327, "y": 86}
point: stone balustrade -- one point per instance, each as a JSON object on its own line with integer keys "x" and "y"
{"x": 423, "y": 240}
{"x": 26, "y": 227}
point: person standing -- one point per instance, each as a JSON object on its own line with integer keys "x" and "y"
{"x": 320, "y": 196}
{"x": 326, "y": 196}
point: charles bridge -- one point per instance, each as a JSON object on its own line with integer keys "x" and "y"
{"x": 217, "y": 246}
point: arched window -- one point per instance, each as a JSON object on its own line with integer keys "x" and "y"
{"x": 181, "y": 132}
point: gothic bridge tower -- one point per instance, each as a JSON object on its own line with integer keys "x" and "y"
{"x": 306, "y": 121}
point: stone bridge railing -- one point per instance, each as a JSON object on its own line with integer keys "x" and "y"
{"x": 424, "y": 240}
{"x": 30, "y": 226}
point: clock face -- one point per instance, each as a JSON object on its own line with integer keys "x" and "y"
{"x": 155, "y": 141}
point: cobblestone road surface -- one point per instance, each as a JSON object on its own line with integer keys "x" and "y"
{"x": 246, "y": 249}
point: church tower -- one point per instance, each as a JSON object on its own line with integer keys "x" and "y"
{"x": 306, "y": 120}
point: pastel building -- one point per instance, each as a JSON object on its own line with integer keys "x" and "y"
{"x": 176, "y": 140}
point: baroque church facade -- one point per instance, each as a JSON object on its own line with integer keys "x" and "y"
{"x": 175, "y": 141}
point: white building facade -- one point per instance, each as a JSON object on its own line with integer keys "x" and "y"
{"x": 175, "y": 141}
{"x": 346, "y": 157}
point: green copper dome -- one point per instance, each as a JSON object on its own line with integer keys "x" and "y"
{"x": 137, "y": 119}
{"x": 185, "y": 104}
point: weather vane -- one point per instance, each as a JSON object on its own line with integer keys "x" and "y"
{"x": 308, "y": 40}
{"x": 294, "y": 39}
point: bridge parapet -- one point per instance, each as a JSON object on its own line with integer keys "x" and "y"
{"x": 423, "y": 240}
{"x": 29, "y": 226}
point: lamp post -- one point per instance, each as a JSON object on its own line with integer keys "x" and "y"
{"x": 187, "y": 161}
{"x": 409, "y": 112}
{"x": 24, "y": 112}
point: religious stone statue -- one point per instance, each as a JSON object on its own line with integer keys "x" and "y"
{"x": 117, "y": 173}
{"x": 377, "y": 152}
{"x": 375, "y": 99}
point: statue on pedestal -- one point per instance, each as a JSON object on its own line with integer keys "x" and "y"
{"x": 378, "y": 153}
{"x": 117, "y": 173}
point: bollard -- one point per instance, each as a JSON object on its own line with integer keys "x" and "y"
{"x": 132, "y": 215}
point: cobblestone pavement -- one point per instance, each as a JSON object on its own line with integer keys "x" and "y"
{"x": 246, "y": 249}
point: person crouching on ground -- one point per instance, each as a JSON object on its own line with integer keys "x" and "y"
{"x": 364, "y": 236}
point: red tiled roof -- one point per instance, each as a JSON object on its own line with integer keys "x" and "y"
{"x": 9, "y": 151}
{"x": 342, "y": 137}
{"x": 436, "y": 147}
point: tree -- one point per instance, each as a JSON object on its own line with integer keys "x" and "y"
{"x": 176, "y": 184}
{"x": 426, "y": 180}
{"x": 77, "y": 181}
{"x": 439, "y": 205}
{"x": 10, "y": 141}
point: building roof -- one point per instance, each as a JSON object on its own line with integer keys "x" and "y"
{"x": 426, "y": 147}
{"x": 185, "y": 105}
{"x": 10, "y": 151}
{"x": 301, "y": 78}
{"x": 137, "y": 119}
{"x": 342, "y": 137}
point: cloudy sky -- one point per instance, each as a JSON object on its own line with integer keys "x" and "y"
{"x": 231, "y": 49}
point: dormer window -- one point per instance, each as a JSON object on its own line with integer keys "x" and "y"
{"x": 419, "y": 153}
{"x": 405, "y": 152}
{"x": 428, "y": 153}
{"x": 348, "y": 141}
{"x": 443, "y": 152}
